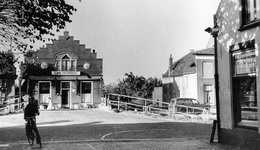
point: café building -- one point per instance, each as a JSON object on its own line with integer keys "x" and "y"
{"x": 65, "y": 74}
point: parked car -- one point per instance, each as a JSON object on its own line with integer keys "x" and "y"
{"x": 191, "y": 103}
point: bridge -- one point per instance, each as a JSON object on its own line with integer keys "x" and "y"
{"x": 124, "y": 103}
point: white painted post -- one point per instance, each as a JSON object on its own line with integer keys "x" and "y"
{"x": 145, "y": 107}
{"x": 118, "y": 98}
{"x": 173, "y": 110}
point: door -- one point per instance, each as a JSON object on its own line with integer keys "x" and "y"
{"x": 65, "y": 97}
{"x": 65, "y": 94}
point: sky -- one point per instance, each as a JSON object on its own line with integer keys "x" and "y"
{"x": 138, "y": 36}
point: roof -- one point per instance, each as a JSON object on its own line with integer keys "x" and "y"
{"x": 208, "y": 51}
{"x": 64, "y": 48}
{"x": 187, "y": 64}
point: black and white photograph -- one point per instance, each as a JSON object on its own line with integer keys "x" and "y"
{"x": 129, "y": 74}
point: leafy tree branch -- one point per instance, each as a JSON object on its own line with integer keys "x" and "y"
{"x": 22, "y": 20}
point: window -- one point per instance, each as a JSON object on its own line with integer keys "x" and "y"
{"x": 244, "y": 62}
{"x": 250, "y": 11}
{"x": 244, "y": 87}
{"x": 86, "y": 88}
{"x": 66, "y": 63}
{"x": 207, "y": 69}
{"x": 65, "y": 85}
{"x": 245, "y": 100}
{"x": 195, "y": 102}
{"x": 44, "y": 91}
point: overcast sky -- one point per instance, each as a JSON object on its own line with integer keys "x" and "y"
{"x": 139, "y": 35}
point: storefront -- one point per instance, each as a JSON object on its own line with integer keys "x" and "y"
{"x": 244, "y": 86}
{"x": 237, "y": 42}
{"x": 65, "y": 74}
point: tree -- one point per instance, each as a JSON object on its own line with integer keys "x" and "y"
{"x": 135, "y": 86}
{"x": 21, "y": 20}
{"x": 7, "y": 71}
{"x": 7, "y": 61}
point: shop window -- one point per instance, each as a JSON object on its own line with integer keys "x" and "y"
{"x": 244, "y": 88}
{"x": 44, "y": 91}
{"x": 207, "y": 69}
{"x": 250, "y": 12}
{"x": 244, "y": 62}
{"x": 86, "y": 89}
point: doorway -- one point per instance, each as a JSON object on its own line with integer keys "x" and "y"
{"x": 65, "y": 94}
{"x": 208, "y": 95}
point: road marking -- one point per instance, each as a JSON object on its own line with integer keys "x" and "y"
{"x": 103, "y": 137}
{"x": 88, "y": 146}
{"x": 4, "y": 145}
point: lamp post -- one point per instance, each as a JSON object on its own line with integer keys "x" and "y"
{"x": 214, "y": 32}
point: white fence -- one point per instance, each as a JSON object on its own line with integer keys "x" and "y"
{"x": 12, "y": 105}
{"x": 124, "y": 102}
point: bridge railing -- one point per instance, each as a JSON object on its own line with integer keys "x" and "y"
{"x": 150, "y": 106}
{"x": 12, "y": 104}
{"x": 134, "y": 103}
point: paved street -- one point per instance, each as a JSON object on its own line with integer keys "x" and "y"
{"x": 98, "y": 129}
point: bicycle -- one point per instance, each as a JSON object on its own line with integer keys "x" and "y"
{"x": 32, "y": 131}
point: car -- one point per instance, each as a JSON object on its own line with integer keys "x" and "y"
{"x": 191, "y": 104}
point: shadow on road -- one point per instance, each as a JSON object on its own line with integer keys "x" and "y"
{"x": 53, "y": 122}
{"x": 97, "y": 131}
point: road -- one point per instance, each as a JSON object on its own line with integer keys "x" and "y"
{"x": 103, "y": 129}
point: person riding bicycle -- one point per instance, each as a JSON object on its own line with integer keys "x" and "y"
{"x": 30, "y": 111}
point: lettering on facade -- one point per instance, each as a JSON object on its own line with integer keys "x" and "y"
{"x": 65, "y": 73}
{"x": 244, "y": 62}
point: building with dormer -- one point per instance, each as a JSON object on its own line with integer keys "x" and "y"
{"x": 65, "y": 72}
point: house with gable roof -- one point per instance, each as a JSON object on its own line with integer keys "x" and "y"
{"x": 191, "y": 76}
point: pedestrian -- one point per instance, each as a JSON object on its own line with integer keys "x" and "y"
{"x": 50, "y": 103}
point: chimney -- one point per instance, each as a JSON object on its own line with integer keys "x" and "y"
{"x": 170, "y": 64}
{"x": 66, "y": 34}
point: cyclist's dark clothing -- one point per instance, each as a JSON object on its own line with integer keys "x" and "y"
{"x": 31, "y": 110}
